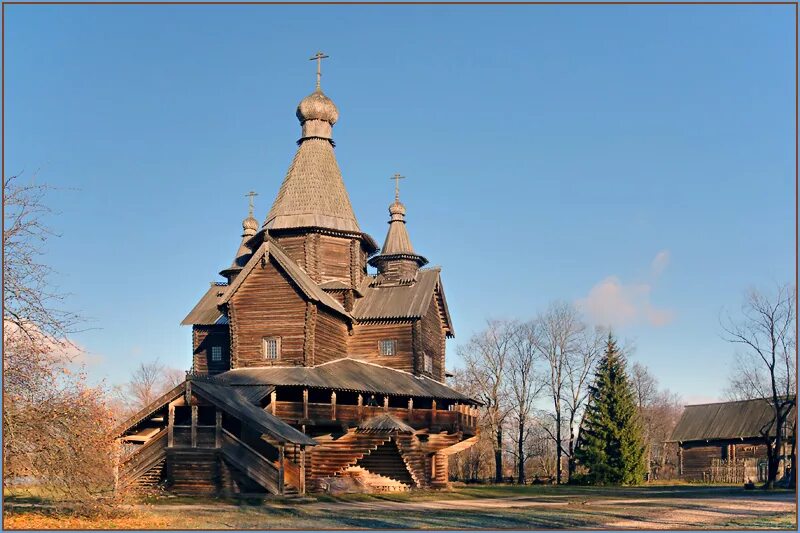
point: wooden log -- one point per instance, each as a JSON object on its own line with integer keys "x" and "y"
{"x": 281, "y": 471}
{"x": 171, "y": 426}
{"x": 385, "y": 404}
{"x": 302, "y": 487}
{"x": 410, "y": 408}
{"x": 360, "y": 409}
{"x": 218, "y": 430}
{"x": 305, "y": 404}
{"x": 273, "y": 400}
{"x": 194, "y": 426}
{"x": 433, "y": 412}
{"x": 333, "y": 405}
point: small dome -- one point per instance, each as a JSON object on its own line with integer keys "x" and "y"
{"x": 317, "y": 106}
{"x": 250, "y": 225}
{"x": 397, "y": 209}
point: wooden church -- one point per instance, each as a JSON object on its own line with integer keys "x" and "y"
{"x": 310, "y": 373}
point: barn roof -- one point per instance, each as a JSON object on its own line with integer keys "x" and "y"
{"x": 206, "y": 312}
{"x": 344, "y": 374}
{"x": 725, "y": 420}
{"x": 392, "y": 302}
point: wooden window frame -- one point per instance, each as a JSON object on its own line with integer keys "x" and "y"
{"x": 214, "y": 351}
{"x": 427, "y": 363}
{"x": 386, "y": 342}
{"x": 264, "y": 341}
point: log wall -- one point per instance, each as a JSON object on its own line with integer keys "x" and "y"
{"x": 203, "y": 339}
{"x": 432, "y": 341}
{"x": 363, "y": 344}
{"x": 267, "y": 304}
{"x": 330, "y": 337}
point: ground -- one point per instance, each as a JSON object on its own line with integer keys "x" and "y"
{"x": 496, "y": 507}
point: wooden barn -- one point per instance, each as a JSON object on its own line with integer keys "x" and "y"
{"x": 309, "y": 372}
{"x": 724, "y": 442}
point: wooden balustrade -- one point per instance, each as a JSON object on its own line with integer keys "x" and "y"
{"x": 458, "y": 417}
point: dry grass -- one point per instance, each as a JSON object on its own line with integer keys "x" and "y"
{"x": 495, "y": 507}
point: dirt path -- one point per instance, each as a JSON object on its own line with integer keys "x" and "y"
{"x": 650, "y": 512}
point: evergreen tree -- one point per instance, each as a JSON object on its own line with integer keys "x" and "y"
{"x": 611, "y": 444}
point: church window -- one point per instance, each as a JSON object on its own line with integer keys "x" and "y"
{"x": 388, "y": 347}
{"x": 428, "y": 363}
{"x": 216, "y": 353}
{"x": 271, "y": 347}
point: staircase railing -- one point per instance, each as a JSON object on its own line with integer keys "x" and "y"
{"x": 143, "y": 459}
{"x": 250, "y": 462}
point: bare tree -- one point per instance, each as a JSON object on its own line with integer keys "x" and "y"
{"x": 659, "y": 411}
{"x": 560, "y": 334}
{"x": 579, "y": 365}
{"x": 149, "y": 381}
{"x": 31, "y": 303}
{"x": 766, "y": 366}
{"x": 525, "y": 383}
{"x": 56, "y": 428}
{"x": 487, "y": 359}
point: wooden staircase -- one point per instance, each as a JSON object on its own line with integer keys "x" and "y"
{"x": 144, "y": 469}
{"x": 250, "y": 462}
{"x": 330, "y": 458}
{"x": 414, "y": 456}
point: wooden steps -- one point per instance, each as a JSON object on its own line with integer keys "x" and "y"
{"x": 373, "y": 482}
{"x": 332, "y": 457}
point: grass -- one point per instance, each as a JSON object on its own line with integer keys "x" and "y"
{"x": 469, "y": 507}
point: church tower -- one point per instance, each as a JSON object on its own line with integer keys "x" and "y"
{"x": 312, "y": 217}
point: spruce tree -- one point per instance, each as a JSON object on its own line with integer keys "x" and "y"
{"x": 610, "y": 445}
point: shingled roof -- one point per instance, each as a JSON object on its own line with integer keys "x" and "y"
{"x": 344, "y": 374}
{"x": 726, "y": 420}
{"x": 393, "y": 302}
{"x": 206, "y": 312}
{"x": 313, "y": 194}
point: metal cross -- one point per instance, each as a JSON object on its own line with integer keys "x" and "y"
{"x": 319, "y": 57}
{"x": 252, "y": 195}
{"x": 397, "y": 178}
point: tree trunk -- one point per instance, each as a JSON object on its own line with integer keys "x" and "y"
{"x": 521, "y": 452}
{"x": 498, "y": 457}
{"x": 558, "y": 447}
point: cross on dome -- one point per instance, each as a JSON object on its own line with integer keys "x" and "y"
{"x": 318, "y": 58}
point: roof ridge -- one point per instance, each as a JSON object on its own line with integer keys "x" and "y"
{"x": 734, "y": 401}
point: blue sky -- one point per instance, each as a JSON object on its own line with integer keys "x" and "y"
{"x": 636, "y": 159}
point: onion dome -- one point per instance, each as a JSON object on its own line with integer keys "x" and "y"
{"x": 317, "y": 106}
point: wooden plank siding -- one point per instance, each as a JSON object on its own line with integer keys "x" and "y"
{"x": 331, "y": 337}
{"x": 363, "y": 344}
{"x": 267, "y": 305}
{"x": 334, "y": 259}
{"x": 432, "y": 341}
{"x": 295, "y": 248}
{"x": 203, "y": 339}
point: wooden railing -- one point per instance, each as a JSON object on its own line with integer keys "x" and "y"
{"x": 251, "y": 463}
{"x": 143, "y": 459}
{"x": 458, "y": 418}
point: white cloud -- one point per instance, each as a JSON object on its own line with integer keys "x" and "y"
{"x": 616, "y": 304}
{"x": 660, "y": 262}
